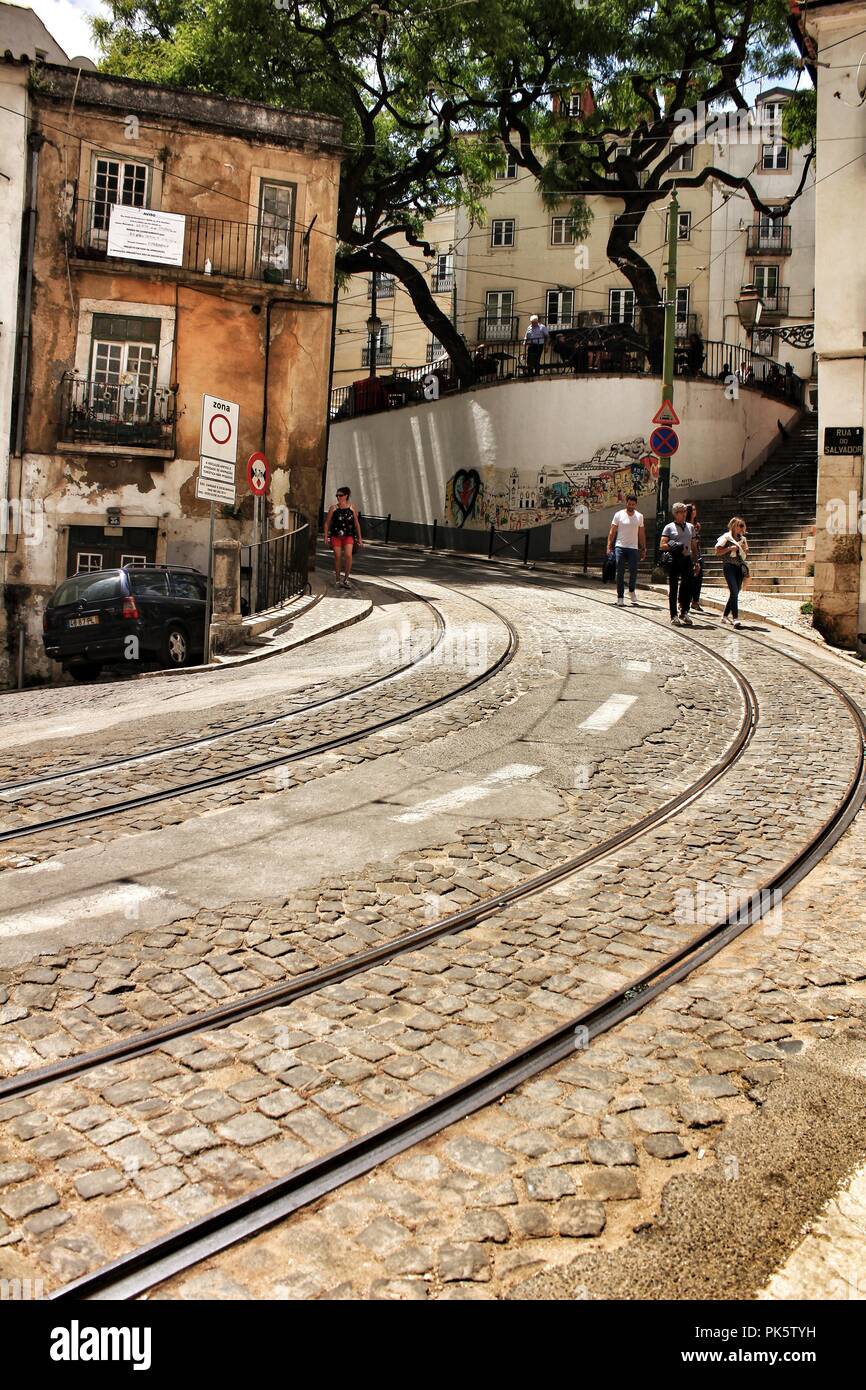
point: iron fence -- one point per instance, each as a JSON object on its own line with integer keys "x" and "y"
{"x": 281, "y": 570}
{"x": 104, "y": 412}
{"x": 774, "y": 240}
{"x": 268, "y": 251}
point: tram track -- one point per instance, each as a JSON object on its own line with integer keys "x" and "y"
{"x": 252, "y": 769}
{"x": 141, "y": 1269}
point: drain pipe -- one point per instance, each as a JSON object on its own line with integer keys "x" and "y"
{"x": 22, "y": 633}
{"x": 35, "y": 140}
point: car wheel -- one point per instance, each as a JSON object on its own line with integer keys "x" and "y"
{"x": 176, "y": 650}
{"x": 86, "y": 671}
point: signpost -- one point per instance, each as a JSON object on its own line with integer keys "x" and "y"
{"x": 218, "y": 453}
{"x": 664, "y": 441}
{"x": 258, "y": 477}
{"x": 670, "y": 306}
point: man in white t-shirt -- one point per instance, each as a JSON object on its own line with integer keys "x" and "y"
{"x": 627, "y": 536}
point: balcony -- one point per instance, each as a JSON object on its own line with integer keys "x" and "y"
{"x": 498, "y": 330}
{"x": 769, "y": 241}
{"x": 442, "y": 284}
{"x": 775, "y": 302}
{"x": 383, "y": 356}
{"x": 108, "y": 416}
{"x": 384, "y": 287}
{"x": 686, "y": 324}
{"x": 214, "y": 246}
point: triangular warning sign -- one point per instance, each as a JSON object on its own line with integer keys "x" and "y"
{"x": 667, "y": 415}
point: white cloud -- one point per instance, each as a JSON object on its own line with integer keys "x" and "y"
{"x": 66, "y": 21}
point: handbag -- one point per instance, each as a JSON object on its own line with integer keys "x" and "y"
{"x": 608, "y": 569}
{"x": 666, "y": 559}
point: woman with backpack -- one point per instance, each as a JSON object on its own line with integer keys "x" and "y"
{"x": 734, "y": 550}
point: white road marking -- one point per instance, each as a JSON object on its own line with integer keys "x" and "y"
{"x": 126, "y": 899}
{"x": 609, "y": 713}
{"x": 464, "y": 796}
{"x": 830, "y": 1262}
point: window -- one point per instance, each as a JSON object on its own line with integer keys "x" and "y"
{"x": 763, "y": 343}
{"x": 682, "y": 312}
{"x": 560, "y": 308}
{"x": 150, "y": 582}
{"x": 382, "y": 344}
{"x": 509, "y": 169}
{"x": 629, "y": 221}
{"x": 684, "y": 162}
{"x": 434, "y": 350}
{"x": 562, "y": 231}
{"x": 189, "y": 586}
{"x": 499, "y": 304}
{"x": 774, "y": 156}
{"x": 621, "y": 306}
{"x": 276, "y": 214}
{"x": 86, "y": 563}
{"x": 123, "y": 367}
{"x": 443, "y": 275}
{"x": 770, "y": 113}
{"x": 770, "y": 229}
{"x": 502, "y": 231}
{"x": 766, "y": 281}
{"x": 116, "y": 181}
{"x": 134, "y": 562}
{"x": 384, "y": 286}
{"x": 572, "y": 104}
{"x": 684, "y": 228}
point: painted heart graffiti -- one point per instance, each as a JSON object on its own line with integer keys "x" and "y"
{"x": 466, "y": 485}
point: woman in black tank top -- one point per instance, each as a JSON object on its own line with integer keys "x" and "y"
{"x": 343, "y": 533}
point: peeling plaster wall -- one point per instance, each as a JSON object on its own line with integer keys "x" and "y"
{"x": 212, "y": 336}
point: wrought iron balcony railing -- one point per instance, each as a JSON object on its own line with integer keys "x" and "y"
{"x": 277, "y": 255}
{"x": 103, "y": 412}
{"x": 773, "y": 240}
{"x": 775, "y": 301}
{"x": 383, "y": 356}
{"x": 443, "y": 284}
{"x": 498, "y": 330}
{"x": 384, "y": 287}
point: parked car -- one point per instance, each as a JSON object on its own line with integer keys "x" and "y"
{"x": 152, "y": 613}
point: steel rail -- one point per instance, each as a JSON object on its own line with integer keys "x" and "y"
{"x": 167, "y": 1256}
{"x": 252, "y": 725}
{"x": 219, "y": 779}
{"x": 276, "y": 995}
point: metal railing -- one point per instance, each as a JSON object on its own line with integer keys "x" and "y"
{"x": 281, "y": 569}
{"x": 384, "y": 287}
{"x": 498, "y": 330}
{"x": 442, "y": 284}
{"x": 508, "y": 540}
{"x": 375, "y": 527}
{"x": 383, "y": 356}
{"x": 777, "y": 301}
{"x": 768, "y": 241}
{"x": 103, "y": 412}
{"x": 211, "y": 246}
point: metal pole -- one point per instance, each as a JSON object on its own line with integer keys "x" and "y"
{"x": 490, "y": 546}
{"x": 254, "y": 558}
{"x": 586, "y": 553}
{"x": 664, "y": 479}
{"x": 208, "y": 608}
{"x": 373, "y": 315}
{"x": 21, "y": 636}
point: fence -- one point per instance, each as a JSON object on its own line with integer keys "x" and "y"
{"x": 282, "y": 569}
{"x": 531, "y": 543}
{"x": 406, "y": 385}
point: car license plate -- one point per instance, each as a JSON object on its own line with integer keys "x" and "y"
{"x": 84, "y": 622}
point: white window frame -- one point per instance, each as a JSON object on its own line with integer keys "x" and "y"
{"x": 624, "y": 297}
{"x": 685, "y": 162}
{"x": 88, "y": 555}
{"x": 503, "y": 223}
{"x": 572, "y": 107}
{"x": 562, "y": 298}
{"x": 135, "y": 562}
{"x": 684, "y": 225}
{"x": 510, "y": 170}
{"x": 562, "y": 231}
{"x": 778, "y": 158}
{"x": 498, "y": 316}
{"x": 681, "y": 314}
{"x": 126, "y": 309}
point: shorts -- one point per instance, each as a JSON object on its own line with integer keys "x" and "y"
{"x": 338, "y": 541}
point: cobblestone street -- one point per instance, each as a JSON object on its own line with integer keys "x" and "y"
{"x": 299, "y": 902}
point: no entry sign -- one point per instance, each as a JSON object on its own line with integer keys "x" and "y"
{"x": 219, "y": 429}
{"x": 664, "y": 441}
{"x": 258, "y": 474}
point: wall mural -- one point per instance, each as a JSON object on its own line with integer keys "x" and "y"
{"x": 511, "y": 499}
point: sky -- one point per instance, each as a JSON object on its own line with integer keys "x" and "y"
{"x": 66, "y": 20}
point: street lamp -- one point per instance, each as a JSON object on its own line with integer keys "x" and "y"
{"x": 749, "y": 307}
{"x": 374, "y": 325}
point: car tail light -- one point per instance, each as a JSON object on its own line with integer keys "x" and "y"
{"x": 45, "y": 621}
{"x": 130, "y": 608}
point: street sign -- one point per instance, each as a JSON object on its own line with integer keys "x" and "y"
{"x": 217, "y": 470}
{"x": 843, "y": 439}
{"x": 664, "y": 441}
{"x": 219, "y": 429}
{"x": 258, "y": 474}
{"x": 666, "y": 415}
{"x": 211, "y": 490}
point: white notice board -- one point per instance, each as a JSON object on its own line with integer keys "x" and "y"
{"x": 140, "y": 234}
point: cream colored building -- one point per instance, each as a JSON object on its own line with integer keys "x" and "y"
{"x": 404, "y": 341}
{"x": 525, "y": 260}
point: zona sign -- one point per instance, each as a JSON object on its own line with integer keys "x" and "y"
{"x": 219, "y": 429}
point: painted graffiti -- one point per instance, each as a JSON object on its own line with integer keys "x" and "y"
{"x": 512, "y": 499}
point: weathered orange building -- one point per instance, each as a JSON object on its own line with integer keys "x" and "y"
{"x": 135, "y": 315}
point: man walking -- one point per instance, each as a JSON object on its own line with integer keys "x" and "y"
{"x": 627, "y": 535}
{"x": 535, "y": 338}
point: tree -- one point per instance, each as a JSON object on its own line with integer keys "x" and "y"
{"x": 410, "y": 86}
{"x": 679, "y": 67}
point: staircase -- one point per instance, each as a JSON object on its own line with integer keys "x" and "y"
{"x": 778, "y": 505}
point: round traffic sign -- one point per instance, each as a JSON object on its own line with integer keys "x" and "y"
{"x": 664, "y": 441}
{"x": 258, "y": 474}
{"x": 220, "y": 429}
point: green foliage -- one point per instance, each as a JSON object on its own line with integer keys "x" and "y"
{"x": 799, "y": 119}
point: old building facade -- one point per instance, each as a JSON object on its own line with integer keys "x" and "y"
{"x": 135, "y": 315}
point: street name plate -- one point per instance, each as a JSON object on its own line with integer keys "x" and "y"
{"x": 211, "y": 490}
{"x": 217, "y": 470}
{"x": 843, "y": 439}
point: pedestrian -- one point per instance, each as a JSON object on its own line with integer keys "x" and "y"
{"x": 695, "y": 354}
{"x": 535, "y": 339}
{"x": 678, "y": 541}
{"x": 343, "y": 533}
{"x": 627, "y": 538}
{"x": 698, "y": 573}
{"x": 734, "y": 550}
